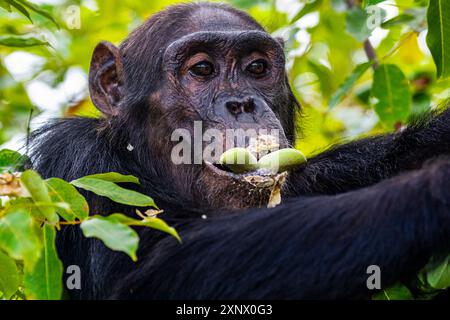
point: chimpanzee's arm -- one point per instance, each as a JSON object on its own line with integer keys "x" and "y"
{"x": 313, "y": 247}
{"x": 368, "y": 161}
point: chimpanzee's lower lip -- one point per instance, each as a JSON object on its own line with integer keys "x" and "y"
{"x": 224, "y": 172}
{"x": 221, "y": 171}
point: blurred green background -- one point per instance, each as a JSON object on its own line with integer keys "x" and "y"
{"x": 43, "y": 67}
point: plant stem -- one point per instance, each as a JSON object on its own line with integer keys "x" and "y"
{"x": 368, "y": 48}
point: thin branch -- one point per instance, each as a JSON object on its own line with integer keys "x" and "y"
{"x": 370, "y": 53}
{"x": 368, "y": 48}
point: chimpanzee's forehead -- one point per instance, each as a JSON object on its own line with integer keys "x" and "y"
{"x": 218, "y": 19}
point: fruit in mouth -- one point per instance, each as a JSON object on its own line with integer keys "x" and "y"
{"x": 282, "y": 160}
{"x": 241, "y": 160}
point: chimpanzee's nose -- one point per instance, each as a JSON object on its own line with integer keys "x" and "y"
{"x": 238, "y": 106}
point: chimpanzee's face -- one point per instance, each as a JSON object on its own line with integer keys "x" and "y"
{"x": 229, "y": 79}
{"x": 224, "y": 77}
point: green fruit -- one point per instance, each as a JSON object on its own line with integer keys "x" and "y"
{"x": 282, "y": 160}
{"x": 239, "y": 160}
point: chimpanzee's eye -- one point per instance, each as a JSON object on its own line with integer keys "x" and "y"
{"x": 257, "y": 67}
{"x": 202, "y": 69}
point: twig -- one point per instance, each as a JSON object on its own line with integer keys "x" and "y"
{"x": 368, "y": 48}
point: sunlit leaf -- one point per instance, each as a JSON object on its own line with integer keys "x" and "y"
{"x": 114, "y": 234}
{"x": 438, "y": 36}
{"x": 150, "y": 222}
{"x": 39, "y": 11}
{"x": 18, "y": 237}
{"x": 114, "y": 192}
{"x": 114, "y": 177}
{"x": 62, "y": 191}
{"x": 368, "y": 3}
{"x": 15, "y": 41}
{"x": 439, "y": 276}
{"x": 5, "y": 5}
{"x": 44, "y": 282}
{"x": 19, "y": 8}
{"x": 11, "y": 160}
{"x": 9, "y": 276}
{"x": 39, "y": 193}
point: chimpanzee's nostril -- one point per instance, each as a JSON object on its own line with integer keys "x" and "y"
{"x": 234, "y": 107}
{"x": 238, "y": 107}
{"x": 249, "y": 106}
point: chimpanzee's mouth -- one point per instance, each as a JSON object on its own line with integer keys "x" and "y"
{"x": 222, "y": 171}
{"x": 260, "y": 185}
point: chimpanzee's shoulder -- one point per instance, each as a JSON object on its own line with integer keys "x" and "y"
{"x": 67, "y": 148}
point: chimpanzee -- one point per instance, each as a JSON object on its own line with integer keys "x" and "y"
{"x": 382, "y": 201}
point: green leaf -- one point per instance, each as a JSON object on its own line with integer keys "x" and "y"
{"x": 5, "y": 5}
{"x": 39, "y": 11}
{"x": 19, "y": 8}
{"x": 114, "y": 234}
{"x": 421, "y": 103}
{"x": 368, "y": 3}
{"x": 439, "y": 276}
{"x": 27, "y": 205}
{"x": 349, "y": 83}
{"x": 356, "y": 24}
{"x": 114, "y": 192}
{"x": 19, "y": 238}
{"x": 11, "y": 160}
{"x": 397, "y": 292}
{"x": 9, "y": 276}
{"x": 37, "y": 188}
{"x": 438, "y": 37}
{"x": 308, "y": 8}
{"x": 154, "y": 223}
{"x": 44, "y": 282}
{"x": 398, "y": 20}
{"x": 62, "y": 191}
{"x": 15, "y": 41}
{"x": 114, "y": 177}
{"x": 390, "y": 89}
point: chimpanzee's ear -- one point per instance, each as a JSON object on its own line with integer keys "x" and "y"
{"x": 106, "y": 78}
